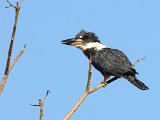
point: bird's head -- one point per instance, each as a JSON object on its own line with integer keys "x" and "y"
{"x": 84, "y": 40}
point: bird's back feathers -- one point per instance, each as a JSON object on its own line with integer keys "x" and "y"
{"x": 110, "y": 61}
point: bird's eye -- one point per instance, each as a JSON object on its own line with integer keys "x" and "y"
{"x": 83, "y": 37}
{"x": 80, "y": 37}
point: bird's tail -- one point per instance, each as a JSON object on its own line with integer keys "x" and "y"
{"x": 136, "y": 82}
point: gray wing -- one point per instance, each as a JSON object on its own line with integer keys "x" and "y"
{"x": 112, "y": 62}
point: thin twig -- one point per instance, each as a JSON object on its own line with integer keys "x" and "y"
{"x": 17, "y": 58}
{"x": 137, "y": 61}
{"x": 20, "y": 3}
{"x": 10, "y": 4}
{"x": 8, "y": 66}
{"x": 41, "y": 105}
{"x": 46, "y": 95}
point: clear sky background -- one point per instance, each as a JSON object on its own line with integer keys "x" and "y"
{"x": 132, "y": 26}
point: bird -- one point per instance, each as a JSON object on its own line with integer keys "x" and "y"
{"x": 109, "y": 62}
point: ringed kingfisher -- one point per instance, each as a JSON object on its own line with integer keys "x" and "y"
{"x": 110, "y": 62}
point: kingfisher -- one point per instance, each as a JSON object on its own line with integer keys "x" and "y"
{"x": 110, "y": 62}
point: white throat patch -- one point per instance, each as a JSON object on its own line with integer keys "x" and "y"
{"x": 95, "y": 45}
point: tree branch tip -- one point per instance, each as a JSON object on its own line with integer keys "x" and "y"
{"x": 34, "y": 105}
{"x": 137, "y": 61}
{"x": 10, "y": 4}
{"x": 46, "y": 95}
{"x": 24, "y": 46}
{"x": 18, "y": 4}
{"x": 144, "y": 58}
{"x": 48, "y": 91}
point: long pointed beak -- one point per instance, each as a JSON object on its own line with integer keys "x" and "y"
{"x": 72, "y": 42}
{"x": 68, "y": 41}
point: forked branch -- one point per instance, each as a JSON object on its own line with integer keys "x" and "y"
{"x": 41, "y": 105}
{"x": 89, "y": 91}
{"x": 8, "y": 66}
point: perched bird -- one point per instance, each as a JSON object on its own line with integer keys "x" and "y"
{"x": 110, "y": 62}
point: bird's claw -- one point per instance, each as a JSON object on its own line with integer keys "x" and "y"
{"x": 104, "y": 82}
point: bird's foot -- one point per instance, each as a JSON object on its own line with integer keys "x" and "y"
{"x": 104, "y": 82}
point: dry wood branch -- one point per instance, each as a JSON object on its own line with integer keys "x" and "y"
{"x": 41, "y": 105}
{"x": 89, "y": 74}
{"x": 76, "y": 106}
{"x": 10, "y": 4}
{"x": 137, "y": 61}
{"x": 71, "y": 112}
{"x": 103, "y": 84}
{"x": 17, "y": 58}
{"x": 89, "y": 91}
{"x": 85, "y": 94}
{"x": 8, "y": 66}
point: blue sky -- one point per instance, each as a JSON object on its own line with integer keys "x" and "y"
{"x": 131, "y": 26}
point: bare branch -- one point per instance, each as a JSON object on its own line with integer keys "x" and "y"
{"x": 41, "y": 105}
{"x": 46, "y": 95}
{"x": 71, "y": 112}
{"x": 34, "y": 105}
{"x": 89, "y": 74}
{"x": 17, "y": 58}
{"x": 76, "y": 106}
{"x": 137, "y": 61}
{"x": 89, "y": 91}
{"x": 10, "y": 4}
{"x": 20, "y": 3}
{"x": 8, "y": 66}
